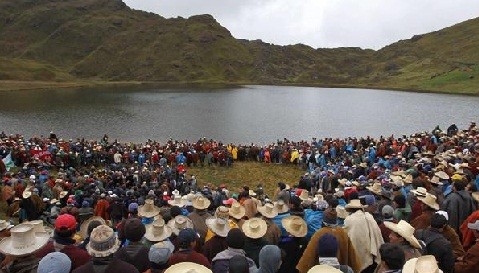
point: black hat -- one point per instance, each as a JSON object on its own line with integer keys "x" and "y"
{"x": 134, "y": 229}
{"x": 235, "y": 238}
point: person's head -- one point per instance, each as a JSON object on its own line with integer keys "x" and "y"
{"x": 238, "y": 264}
{"x": 395, "y": 238}
{"x": 65, "y": 226}
{"x": 175, "y": 211}
{"x": 134, "y": 229}
{"x": 459, "y": 185}
{"x": 235, "y": 238}
{"x": 270, "y": 258}
{"x": 438, "y": 221}
{"x": 55, "y": 262}
{"x": 399, "y": 201}
{"x": 93, "y": 224}
{"x": 392, "y": 256}
{"x": 187, "y": 238}
{"x": 327, "y": 246}
{"x": 330, "y": 217}
{"x": 387, "y": 213}
{"x": 160, "y": 253}
{"x": 281, "y": 186}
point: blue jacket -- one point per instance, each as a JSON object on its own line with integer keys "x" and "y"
{"x": 314, "y": 219}
{"x": 277, "y": 221}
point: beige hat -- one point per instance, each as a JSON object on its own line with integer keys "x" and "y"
{"x": 251, "y": 193}
{"x": 23, "y": 241}
{"x": 237, "y": 211}
{"x": 255, "y": 228}
{"x": 63, "y": 194}
{"x": 363, "y": 165}
{"x": 103, "y": 242}
{"x": 475, "y": 195}
{"x": 201, "y": 202}
{"x": 222, "y": 212}
{"x": 295, "y": 226}
{"x": 304, "y": 196}
{"x": 5, "y": 225}
{"x": 281, "y": 207}
{"x": 86, "y": 223}
{"x": 420, "y": 191}
{"x": 341, "y": 212}
{"x": 442, "y": 175}
{"x": 376, "y": 188}
{"x": 423, "y": 264}
{"x": 435, "y": 180}
{"x": 219, "y": 226}
{"x": 38, "y": 226}
{"x": 54, "y": 201}
{"x": 430, "y": 200}
{"x": 157, "y": 231}
{"x": 187, "y": 267}
{"x": 26, "y": 194}
{"x": 397, "y": 180}
{"x": 323, "y": 268}
{"x": 408, "y": 179}
{"x": 355, "y": 204}
{"x": 149, "y": 209}
{"x": 405, "y": 230}
{"x": 180, "y": 222}
{"x": 177, "y": 201}
{"x": 268, "y": 210}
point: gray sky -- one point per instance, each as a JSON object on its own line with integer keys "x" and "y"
{"x": 322, "y": 23}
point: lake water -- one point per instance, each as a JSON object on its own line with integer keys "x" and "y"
{"x": 259, "y": 114}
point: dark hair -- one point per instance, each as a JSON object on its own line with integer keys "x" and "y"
{"x": 459, "y": 185}
{"x": 392, "y": 255}
{"x": 281, "y": 185}
{"x": 175, "y": 211}
{"x": 238, "y": 264}
{"x": 64, "y": 233}
{"x": 400, "y": 200}
{"x": 235, "y": 238}
{"x": 327, "y": 246}
{"x": 438, "y": 221}
{"x": 93, "y": 224}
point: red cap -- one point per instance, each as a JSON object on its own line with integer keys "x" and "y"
{"x": 65, "y": 221}
{"x": 228, "y": 201}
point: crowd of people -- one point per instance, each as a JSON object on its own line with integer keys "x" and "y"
{"x": 407, "y": 204}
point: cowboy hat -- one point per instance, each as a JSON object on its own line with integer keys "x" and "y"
{"x": 281, "y": 206}
{"x": 54, "y": 201}
{"x": 149, "y": 209}
{"x": 341, "y": 212}
{"x": 255, "y": 228}
{"x": 429, "y": 200}
{"x": 222, "y": 212}
{"x": 376, "y": 188}
{"x": 355, "y": 204}
{"x": 23, "y": 241}
{"x": 187, "y": 267}
{"x": 268, "y": 211}
{"x": 157, "y": 231}
{"x": 304, "y": 195}
{"x": 26, "y": 194}
{"x": 436, "y": 180}
{"x": 295, "y": 226}
{"x": 103, "y": 242}
{"x": 86, "y": 223}
{"x": 423, "y": 264}
{"x": 420, "y": 192}
{"x": 5, "y": 225}
{"x": 201, "y": 202}
{"x": 180, "y": 222}
{"x": 177, "y": 201}
{"x": 323, "y": 268}
{"x": 405, "y": 230}
{"x": 63, "y": 194}
{"x": 39, "y": 227}
{"x": 237, "y": 211}
{"x": 251, "y": 193}
{"x": 442, "y": 175}
{"x": 408, "y": 179}
{"x": 218, "y": 226}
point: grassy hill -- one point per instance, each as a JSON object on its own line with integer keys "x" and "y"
{"x": 105, "y": 40}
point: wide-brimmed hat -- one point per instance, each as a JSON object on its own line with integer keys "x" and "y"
{"x": 237, "y": 211}
{"x": 281, "y": 206}
{"x": 177, "y": 201}
{"x": 436, "y": 180}
{"x": 54, "y": 201}
{"x": 304, "y": 196}
{"x": 323, "y": 268}
{"x": 363, "y": 165}
{"x": 442, "y": 175}
{"x": 187, "y": 267}
{"x": 26, "y": 194}
{"x": 355, "y": 204}
{"x": 423, "y": 264}
{"x": 63, "y": 194}
{"x": 5, "y": 225}
{"x": 251, "y": 193}
{"x": 157, "y": 231}
{"x": 405, "y": 230}
{"x": 86, "y": 223}
{"x": 103, "y": 242}
{"x": 23, "y": 241}
{"x": 218, "y": 226}
{"x": 268, "y": 210}
{"x": 408, "y": 179}
{"x": 149, "y": 209}
{"x": 201, "y": 202}
{"x": 420, "y": 192}
{"x": 222, "y": 212}
{"x": 295, "y": 226}
{"x": 255, "y": 228}
{"x": 430, "y": 200}
{"x": 376, "y": 188}
{"x": 38, "y": 226}
{"x": 180, "y": 222}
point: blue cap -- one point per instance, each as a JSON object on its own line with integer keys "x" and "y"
{"x": 133, "y": 207}
{"x": 55, "y": 262}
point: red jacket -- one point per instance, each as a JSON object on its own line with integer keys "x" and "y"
{"x": 77, "y": 255}
{"x": 188, "y": 256}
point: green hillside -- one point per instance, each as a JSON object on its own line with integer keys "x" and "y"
{"x": 105, "y": 40}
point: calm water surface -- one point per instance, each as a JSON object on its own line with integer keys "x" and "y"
{"x": 259, "y": 114}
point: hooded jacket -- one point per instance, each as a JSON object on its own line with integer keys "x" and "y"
{"x": 458, "y": 205}
{"x": 269, "y": 259}
{"x": 220, "y": 262}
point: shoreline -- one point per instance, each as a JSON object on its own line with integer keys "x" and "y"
{"x": 11, "y": 86}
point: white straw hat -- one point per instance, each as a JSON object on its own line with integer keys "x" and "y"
{"x": 255, "y": 228}
{"x": 430, "y": 200}
{"x": 5, "y": 225}
{"x": 268, "y": 211}
{"x": 23, "y": 241}
{"x": 201, "y": 202}
{"x": 149, "y": 209}
{"x": 86, "y": 223}
{"x": 405, "y": 230}
{"x": 355, "y": 204}
{"x": 423, "y": 264}
{"x": 180, "y": 222}
{"x": 323, "y": 268}
{"x": 103, "y": 242}
{"x": 187, "y": 267}
{"x": 218, "y": 226}
{"x": 295, "y": 226}
{"x": 281, "y": 206}
{"x": 177, "y": 201}
{"x": 157, "y": 231}
{"x": 237, "y": 211}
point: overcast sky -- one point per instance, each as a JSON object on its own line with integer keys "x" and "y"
{"x": 322, "y": 23}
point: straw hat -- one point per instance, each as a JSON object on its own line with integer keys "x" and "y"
{"x": 341, "y": 212}
{"x": 405, "y": 230}
{"x": 63, "y": 194}
{"x": 23, "y": 241}
{"x": 5, "y": 225}
{"x": 281, "y": 207}
{"x": 26, "y": 194}
{"x": 54, "y": 201}
{"x": 442, "y": 175}
{"x": 376, "y": 188}
{"x": 295, "y": 226}
{"x": 423, "y": 264}
{"x": 420, "y": 192}
{"x": 180, "y": 222}
{"x": 177, "y": 201}
{"x": 219, "y": 226}
{"x": 251, "y": 193}
{"x": 363, "y": 165}
{"x": 397, "y": 180}
{"x": 201, "y": 203}
{"x": 408, "y": 179}
{"x": 304, "y": 196}
{"x": 157, "y": 231}
{"x": 436, "y": 180}
{"x": 103, "y": 242}
{"x": 86, "y": 223}
{"x": 355, "y": 204}
{"x": 222, "y": 212}
{"x": 38, "y": 226}
{"x": 149, "y": 209}
{"x": 187, "y": 267}
{"x": 237, "y": 211}
{"x": 323, "y": 268}
{"x": 268, "y": 211}
{"x": 254, "y": 228}
{"x": 430, "y": 200}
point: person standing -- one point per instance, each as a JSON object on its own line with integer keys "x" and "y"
{"x": 459, "y": 204}
{"x": 469, "y": 262}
